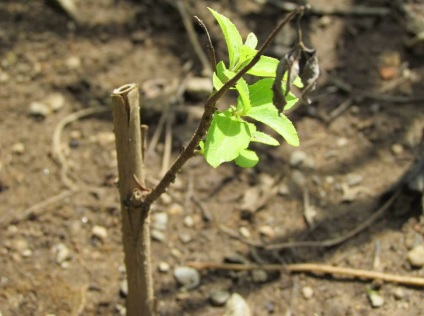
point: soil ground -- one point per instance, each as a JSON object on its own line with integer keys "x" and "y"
{"x": 52, "y": 264}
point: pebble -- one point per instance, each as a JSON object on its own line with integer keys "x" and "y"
{"x": 399, "y": 293}
{"x": 199, "y": 88}
{"x": 163, "y": 267}
{"x": 160, "y": 220}
{"x": 342, "y": 142}
{"x": 298, "y": 178}
{"x": 188, "y": 277}
{"x": 123, "y": 289}
{"x": 219, "y": 297}
{"x": 376, "y": 299}
{"x": 104, "y": 138}
{"x": 39, "y": 109}
{"x": 353, "y": 179}
{"x": 307, "y": 292}
{"x": 237, "y": 306}
{"x": 416, "y": 256}
{"x": 175, "y": 209}
{"x": 267, "y": 231}
{"x": 62, "y": 253}
{"x": 121, "y": 309}
{"x": 185, "y": 238}
{"x": 297, "y": 158}
{"x": 259, "y": 276}
{"x": 157, "y": 235}
{"x": 188, "y": 221}
{"x": 99, "y": 232}
{"x": 22, "y": 247}
{"x": 18, "y": 148}
{"x": 397, "y": 149}
{"x": 244, "y": 232}
{"x": 166, "y": 199}
{"x": 55, "y": 101}
{"x": 73, "y": 62}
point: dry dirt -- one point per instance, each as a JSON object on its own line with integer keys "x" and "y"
{"x": 50, "y": 262}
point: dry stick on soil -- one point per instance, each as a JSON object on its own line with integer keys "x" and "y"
{"x": 182, "y": 9}
{"x": 320, "y": 243}
{"x": 205, "y": 122}
{"x": 57, "y": 152}
{"x": 315, "y": 268}
{"x": 135, "y": 213}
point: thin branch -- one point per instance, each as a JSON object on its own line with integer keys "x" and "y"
{"x": 315, "y": 268}
{"x": 210, "y": 47}
{"x": 207, "y": 116}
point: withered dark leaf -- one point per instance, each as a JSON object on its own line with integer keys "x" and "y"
{"x": 288, "y": 63}
{"x": 309, "y": 73}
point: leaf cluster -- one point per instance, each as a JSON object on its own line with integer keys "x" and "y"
{"x": 233, "y": 129}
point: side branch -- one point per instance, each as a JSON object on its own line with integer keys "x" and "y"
{"x": 207, "y": 116}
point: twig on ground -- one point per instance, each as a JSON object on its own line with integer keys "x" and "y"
{"x": 206, "y": 214}
{"x": 357, "y": 94}
{"x": 57, "y": 152}
{"x": 14, "y": 217}
{"x": 343, "y": 107}
{"x": 320, "y": 243}
{"x": 183, "y": 10}
{"x": 335, "y": 10}
{"x": 338, "y": 240}
{"x": 314, "y": 268}
{"x": 167, "y": 148}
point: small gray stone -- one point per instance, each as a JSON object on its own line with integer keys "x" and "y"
{"x": 188, "y": 277}
{"x": 298, "y": 178}
{"x": 199, "y": 88}
{"x": 297, "y": 158}
{"x": 39, "y": 109}
{"x": 341, "y": 142}
{"x": 185, "y": 238}
{"x": 237, "y": 306}
{"x": 353, "y": 179}
{"x": 244, "y": 232}
{"x": 18, "y": 148}
{"x": 62, "y": 253}
{"x": 307, "y": 292}
{"x": 416, "y": 256}
{"x": 188, "y": 221}
{"x": 163, "y": 267}
{"x": 157, "y": 235}
{"x": 124, "y": 288}
{"x": 219, "y": 297}
{"x": 399, "y": 293}
{"x": 259, "y": 276}
{"x": 55, "y": 101}
{"x": 99, "y": 232}
{"x": 160, "y": 220}
{"x": 376, "y": 299}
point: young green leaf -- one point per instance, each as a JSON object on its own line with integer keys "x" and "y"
{"x": 219, "y": 77}
{"x": 247, "y": 159}
{"x": 263, "y": 138}
{"x": 243, "y": 90}
{"x": 251, "y": 41}
{"x": 232, "y": 37}
{"x": 263, "y": 110}
{"x": 227, "y": 137}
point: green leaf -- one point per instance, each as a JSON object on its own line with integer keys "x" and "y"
{"x": 263, "y": 138}
{"x": 219, "y": 78}
{"x": 247, "y": 159}
{"x": 231, "y": 35}
{"x": 251, "y": 41}
{"x": 267, "y": 66}
{"x": 246, "y": 55}
{"x": 264, "y": 111}
{"x": 227, "y": 136}
{"x": 243, "y": 90}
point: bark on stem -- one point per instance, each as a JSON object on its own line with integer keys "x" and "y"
{"x": 135, "y": 213}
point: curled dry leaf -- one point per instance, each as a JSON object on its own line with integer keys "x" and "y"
{"x": 309, "y": 73}
{"x": 289, "y": 63}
